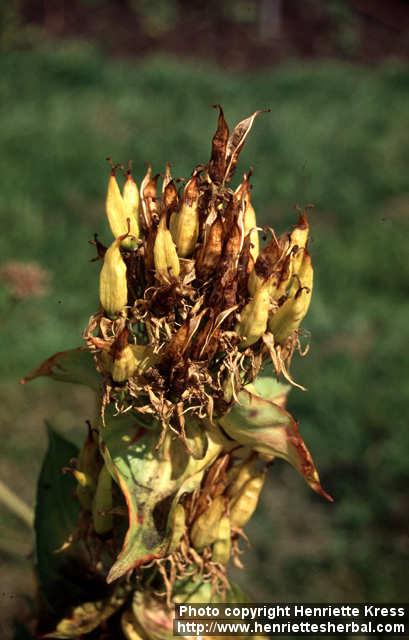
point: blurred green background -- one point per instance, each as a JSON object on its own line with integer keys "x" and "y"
{"x": 337, "y": 136}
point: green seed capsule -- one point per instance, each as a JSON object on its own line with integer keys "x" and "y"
{"x": 85, "y": 489}
{"x": 88, "y": 467}
{"x": 102, "y": 503}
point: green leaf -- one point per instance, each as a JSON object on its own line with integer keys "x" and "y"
{"x": 56, "y": 517}
{"x": 269, "y": 388}
{"x": 151, "y": 480}
{"x": 74, "y": 365}
{"x": 271, "y": 431}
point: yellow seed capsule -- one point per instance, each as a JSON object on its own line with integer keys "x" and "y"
{"x": 186, "y": 224}
{"x": 204, "y": 530}
{"x": 222, "y": 547}
{"x": 164, "y": 253}
{"x": 119, "y": 213}
{"x": 306, "y": 271}
{"x": 102, "y": 503}
{"x": 298, "y": 241}
{"x": 284, "y": 278}
{"x": 131, "y": 202}
{"x": 243, "y": 196}
{"x": 250, "y": 224}
{"x": 290, "y": 315}
{"x": 113, "y": 288}
{"x": 177, "y": 527}
{"x": 133, "y": 359}
{"x": 238, "y": 476}
{"x": 244, "y": 504}
{"x": 123, "y": 367}
{"x": 254, "y": 316}
{"x": 304, "y": 276}
{"x": 254, "y": 282}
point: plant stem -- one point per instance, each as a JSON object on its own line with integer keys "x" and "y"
{"x": 15, "y": 504}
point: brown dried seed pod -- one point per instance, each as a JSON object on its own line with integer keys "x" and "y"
{"x": 208, "y": 256}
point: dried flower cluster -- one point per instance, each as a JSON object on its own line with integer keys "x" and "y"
{"x": 193, "y": 309}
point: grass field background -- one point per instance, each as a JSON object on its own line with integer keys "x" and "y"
{"x": 337, "y": 136}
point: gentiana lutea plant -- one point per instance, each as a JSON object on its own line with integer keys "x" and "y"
{"x": 189, "y": 356}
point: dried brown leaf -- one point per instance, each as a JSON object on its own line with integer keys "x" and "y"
{"x": 217, "y": 162}
{"x": 236, "y": 141}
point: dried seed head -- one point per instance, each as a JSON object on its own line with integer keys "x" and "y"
{"x": 191, "y": 312}
{"x": 198, "y": 292}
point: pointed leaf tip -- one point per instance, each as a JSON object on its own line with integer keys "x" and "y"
{"x": 218, "y": 156}
{"x": 271, "y": 431}
{"x": 74, "y": 365}
{"x": 236, "y": 142}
